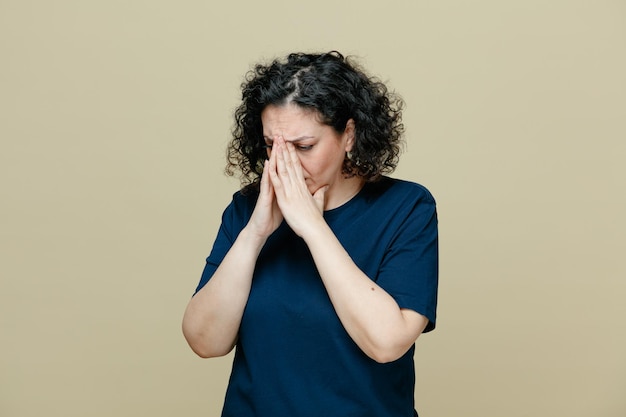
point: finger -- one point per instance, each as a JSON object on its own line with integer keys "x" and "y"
{"x": 283, "y": 163}
{"x": 294, "y": 161}
{"x": 272, "y": 168}
{"x": 320, "y": 197}
{"x": 264, "y": 179}
{"x": 269, "y": 187}
{"x": 266, "y": 189}
{"x": 265, "y": 197}
{"x": 291, "y": 168}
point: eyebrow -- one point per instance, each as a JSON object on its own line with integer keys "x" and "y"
{"x": 298, "y": 139}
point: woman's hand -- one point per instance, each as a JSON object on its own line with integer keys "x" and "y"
{"x": 266, "y": 216}
{"x": 300, "y": 209}
{"x": 369, "y": 314}
{"x": 213, "y": 316}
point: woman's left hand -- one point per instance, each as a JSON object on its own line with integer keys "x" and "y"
{"x": 301, "y": 210}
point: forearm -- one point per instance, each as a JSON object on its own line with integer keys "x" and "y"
{"x": 212, "y": 318}
{"x": 369, "y": 314}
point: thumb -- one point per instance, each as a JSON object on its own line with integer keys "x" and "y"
{"x": 320, "y": 197}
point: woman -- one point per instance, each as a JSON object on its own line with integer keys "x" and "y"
{"x": 324, "y": 270}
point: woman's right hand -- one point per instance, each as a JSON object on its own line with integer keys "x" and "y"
{"x": 213, "y": 316}
{"x": 266, "y": 216}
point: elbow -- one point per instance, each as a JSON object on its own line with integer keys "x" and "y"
{"x": 202, "y": 346}
{"x": 206, "y": 353}
{"x": 385, "y": 347}
{"x": 386, "y": 355}
{"x": 385, "y": 358}
{"x": 207, "y": 350}
{"x": 385, "y": 351}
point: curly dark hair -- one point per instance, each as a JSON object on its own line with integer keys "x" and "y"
{"x": 338, "y": 90}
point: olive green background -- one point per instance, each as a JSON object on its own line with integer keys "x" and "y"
{"x": 114, "y": 117}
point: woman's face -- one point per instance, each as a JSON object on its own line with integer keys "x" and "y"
{"x": 320, "y": 148}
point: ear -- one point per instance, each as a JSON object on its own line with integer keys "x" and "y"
{"x": 349, "y": 135}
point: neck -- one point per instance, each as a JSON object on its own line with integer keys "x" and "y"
{"x": 343, "y": 192}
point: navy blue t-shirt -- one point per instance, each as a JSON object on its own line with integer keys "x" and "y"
{"x": 293, "y": 356}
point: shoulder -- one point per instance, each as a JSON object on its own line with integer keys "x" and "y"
{"x": 240, "y": 207}
{"x": 245, "y": 197}
{"x": 393, "y": 191}
{"x": 398, "y": 201}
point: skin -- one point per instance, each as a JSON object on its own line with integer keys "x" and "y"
{"x": 319, "y": 148}
{"x": 301, "y": 179}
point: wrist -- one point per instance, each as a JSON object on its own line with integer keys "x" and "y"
{"x": 316, "y": 232}
{"x": 249, "y": 237}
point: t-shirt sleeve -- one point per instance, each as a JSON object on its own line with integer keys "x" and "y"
{"x": 409, "y": 272}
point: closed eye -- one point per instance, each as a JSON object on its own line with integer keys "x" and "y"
{"x": 304, "y": 147}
